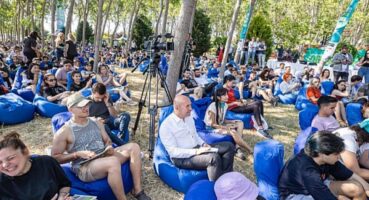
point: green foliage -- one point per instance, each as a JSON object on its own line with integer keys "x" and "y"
{"x": 220, "y": 40}
{"x": 201, "y": 32}
{"x": 89, "y": 32}
{"x": 351, "y": 48}
{"x": 260, "y": 28}
{"x": 141, "y": 30}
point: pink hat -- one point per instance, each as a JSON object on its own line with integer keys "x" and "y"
{"x": 235, "y": 186}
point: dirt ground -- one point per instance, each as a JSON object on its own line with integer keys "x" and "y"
{"x": 38, "y": 135}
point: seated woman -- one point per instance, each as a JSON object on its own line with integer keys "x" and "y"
{"x": 255, "y": 107}
{"x": 79, "y": 84}
{"x": 4, "y": 73}
{"x": 355, "y": 155}
{"x": 308, "y": 75}
{"x": 53, "y": 91}
{"x": 26, "y": 177}
{"x": 340, "y": 93}
{"x": 325, "y": 74}
{"x": 105, "y": 77}
{"x": 215, "y": 119}
{"x": 316, "y": 172}
{"x": 313, "y": 92}
{"x": 30, "y": 77}
{"x": 265, "y": 86}
{"x": 88, "y": 72}
{"x": 288, "y": 86}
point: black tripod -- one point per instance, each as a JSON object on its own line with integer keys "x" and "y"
{"x": 185, "y": 59}
{"x": 153, "y": 73}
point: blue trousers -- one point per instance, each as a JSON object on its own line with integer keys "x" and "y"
{"x": 118, "y": 123}
{"x": 364, "y": 72}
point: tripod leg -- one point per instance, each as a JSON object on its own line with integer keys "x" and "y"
{"x": 141, "y": 104}
{"x": 165, "y": 86}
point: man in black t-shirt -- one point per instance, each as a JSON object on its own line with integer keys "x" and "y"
{"x": 102, "y": 108}
{"x": 308, "y": 175}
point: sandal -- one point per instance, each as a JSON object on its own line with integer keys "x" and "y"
{"x": 141, "y": 196}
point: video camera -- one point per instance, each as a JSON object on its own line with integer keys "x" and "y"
{"x": 154, "y": 43}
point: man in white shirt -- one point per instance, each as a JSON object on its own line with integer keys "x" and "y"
{"x": 187, "y": 150}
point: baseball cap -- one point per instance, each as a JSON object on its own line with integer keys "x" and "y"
{"x": 77, "y": 100}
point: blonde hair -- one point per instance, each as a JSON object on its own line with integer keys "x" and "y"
{"x": 59, "y": 38}
{"x": 71, "y": 37}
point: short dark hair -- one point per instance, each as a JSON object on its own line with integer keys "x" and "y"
{"x": 196, "y": 69}
{"x": 66, "y": 61}
{"x": 99, "y": 88}
{"x": 75, "y": 72}
{"x": 12, "y": 140}
{"x": 324, "y": 100}
{"x": 228, "y": 78}
{"x": 324, "y": 142}
{"x": 356, "y": 78}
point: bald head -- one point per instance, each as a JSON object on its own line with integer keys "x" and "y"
{"x": 182, "y": 106}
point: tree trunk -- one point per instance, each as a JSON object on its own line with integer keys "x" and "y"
{"x": 32, "y": 13}
{"x": 53, "y": 10}
{"x": 22, "y": 27}
{"x": 106, "y": 17}
{"x": 180, "y": 38}
{"x": 136, "y": 10}
{"x": 68, "y": 26}
{"x": 98, "y": 34}
{"x": 230, "y": 36}
{"x": 42, "y": 24}
{"x": 159, "y": 17}
{"x": 85, "y": 14}
{"x": 165, "y": 17}
{"x": 192, "y": 18}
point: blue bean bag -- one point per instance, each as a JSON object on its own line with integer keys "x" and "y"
{"x": 58, "y": 120}
{"x": 246, "y": 94}
{"x": 210, "y": 137}
{"x": 46, "y": 108}
{"x": 307, "y": 115}
{"x": 99, "y": 188}
{"x": 178, "y": 179}
{"x": 302, "y": 137}
{"x": 213, "y": 72}
{"x": 353, "y": 113}
{"x": 327, "y": 87}
{"x": 201, "y": 190}
{"x": 245, "y": 118}
{"x": 268, "y": 164}
{"x": 14, "y": 109}
{"x": 287, "y": 98}
{"x": 301, "y": 100}
{"x": 26, "y": 94}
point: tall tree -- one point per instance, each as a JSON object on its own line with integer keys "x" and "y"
{"x": 98, "y": 34}
{"x": 159, "y": 17}
{"x": 69, "y": 17}
{"x": 53, "y": 10}
{"x": 230, "y": 36}
{"x": 164, "y": 23}
{"x": 85, "y": 14}
{"x": 181, "y": 35}
{"x": 42, "y": 24}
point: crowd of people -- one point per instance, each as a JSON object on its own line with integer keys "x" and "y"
{"x": 334, "y": 163}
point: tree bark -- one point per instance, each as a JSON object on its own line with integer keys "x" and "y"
{"x": 180, "y": 38}
{"x": 98, "y": 34}
{"x": 32, "y": 13}
{"x": 85, "y": 14}
{"x": 134, "y": 17}
{"x": 68, "y": 26}
{"x": 42, "y": 24}
{"x": 53, "y": 10}
{"x": 192, "y": 18}
{"x": 159, "y": 17}
{"x": 230, "y": 36}
{"x": 106, "y": 17}
{"x": 165, "y": 17}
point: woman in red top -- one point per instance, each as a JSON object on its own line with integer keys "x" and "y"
{"x": 313, "y": 92}
{"x": 234, "y": 105}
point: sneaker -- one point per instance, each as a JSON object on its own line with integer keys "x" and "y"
{"x": 142, "y": 196}
{"x": 275, "y": 101}
{"x": 239, "y": 154}
{"x": 264, "y": 133}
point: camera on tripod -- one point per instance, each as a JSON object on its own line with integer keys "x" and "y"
{"x": 160, "y": 43}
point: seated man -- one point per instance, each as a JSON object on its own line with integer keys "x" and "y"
{"x": 82, "y": 138}
{"x": 307, "y": 176}
{"x": 102, "y": 108}
{"x": 191, "y": 84}
{"x": 61, "y": 73}
{"x": 324, "y": 120}
{"x": 186, "y": 149}
{"x": 203, "y": 81}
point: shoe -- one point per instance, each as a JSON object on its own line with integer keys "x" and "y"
{"x": 239, "y": 154}
{"x": 142, "y": 196}
{"x": 264, "y": 133}
{"x": 270, "y": 128}
{"x": 275, "y": 102}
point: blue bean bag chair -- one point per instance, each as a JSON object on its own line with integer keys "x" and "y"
{"x": 14, "y": 109}
{"x": 245, "y": 118}
{"x": 327, "y": 87}
{"x": 99, "y": 188}
{"x": 307, "y": 115}
{"x": 301, "y": 100}
{"x": 46, "y": 108}
{"x": 58, "y": 120}
{"x": 213, "y": 73}
{"x": 287, "y": 98}
{"x": 246, "y": 94}
{"x": 353, "y": 113}
{"x": 26, "y": 94}
{"x": 201, "y": 190}
{"x": 178, "y": 179}
{"x": 268, "y": 164}
{"x": 302, "y": 137}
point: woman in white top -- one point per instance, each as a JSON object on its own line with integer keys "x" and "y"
{"x": 215, "y": 119}
{"x": 355, "y": 156}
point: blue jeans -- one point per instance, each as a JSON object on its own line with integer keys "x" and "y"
{"x": 119, "y": 123}
{"x": 364, "y": 72}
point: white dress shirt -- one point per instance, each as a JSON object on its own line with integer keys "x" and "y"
{"x": 179, "y": 136}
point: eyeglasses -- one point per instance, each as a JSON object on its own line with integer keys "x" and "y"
{"x": 51, "y": 80}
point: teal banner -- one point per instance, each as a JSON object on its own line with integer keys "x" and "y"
{"x": 60, "y": 16}
{"x": 245, "y": 26}
{"x": 337, "y": 33}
